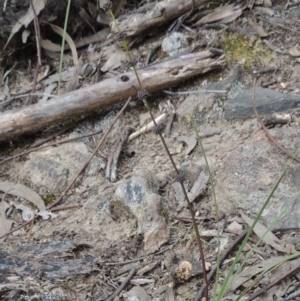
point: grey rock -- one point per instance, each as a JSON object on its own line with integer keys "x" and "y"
{"x": 52, "y": 169}
{"x": 139, "y": 195}
{"x": 197, "y": 104}
{"x": 173, "y": 43}
{"x": 194, "y": 105}
{"x": 137, "y": 293}
{"x": 247, "y": 176}
{"x": 267, "y": 102}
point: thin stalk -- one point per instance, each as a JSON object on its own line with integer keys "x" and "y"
{"x": 63, "y": 46}
{"x": 125, "y": 45}
{"x": 215, "y": 203}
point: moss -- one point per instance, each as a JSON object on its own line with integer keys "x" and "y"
{"x": 238, "y": 47}
{"x": 163, "y": 209}
{"x": 48, "y": 198}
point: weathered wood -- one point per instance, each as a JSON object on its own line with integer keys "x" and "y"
{"x": 153, "y": 15}
{"x": 46, "y": 259}
{"x": 108, "y": 92}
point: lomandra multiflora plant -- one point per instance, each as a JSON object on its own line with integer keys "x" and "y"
{"x": 142, "y": 95}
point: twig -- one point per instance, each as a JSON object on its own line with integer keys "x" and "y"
{"x": 270, "y": 137}
{"x": 195, "y": 92}
{"x": 149, "y": 126}
{"x": 266, "y": 288}
{"x": 169, "y": 124}
{"x": 292, "y": 296}
{"x": 91, "y": 157}
{"x": 18, "y": 228}
{"x": 111, "y": 168}
{"x": 66, "y": 207}
{"x": 223, "y": 256}
{"x": 121, "y": 287}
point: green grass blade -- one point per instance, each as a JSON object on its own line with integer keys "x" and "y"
{"x": 63, "y": 46}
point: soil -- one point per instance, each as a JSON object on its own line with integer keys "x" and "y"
{"x": 109, "y": 241}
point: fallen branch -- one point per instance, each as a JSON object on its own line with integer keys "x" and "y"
{"x": 153, "y": 15}
{"x": 106, "y": 93}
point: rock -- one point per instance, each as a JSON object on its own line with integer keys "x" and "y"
{"x": 137, "y": 293}
{"x": 174, "y": 42}
{"x": 198, "y": 104}
{"x": 194, "y": 105}
{"x": 139, "y": 195}
{"x": 267, "y": 102}
{"x": 249, "y": 172}
{"x": 52, "y": 169}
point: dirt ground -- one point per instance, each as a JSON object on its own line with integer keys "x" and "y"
{"x": 139, "y": 225}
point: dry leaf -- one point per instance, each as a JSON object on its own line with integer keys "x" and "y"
{"x": 260, "y": 230}
{"x": 258, "y": 29}
{"x": 170, "y": 295}
{"x": 115, "y": 58}
{"x": 250, "y": 272}
{"x": 27, "y": 213}
{"x": 191, "y": 143}
{"x": 27, "y": 18}
{"x": 48, "y": 45}
{"x": 294, "y": 51}
{"x": 30, "y": 195}
{"x": 225, "y": 12}
{"x": 60, "y": 31}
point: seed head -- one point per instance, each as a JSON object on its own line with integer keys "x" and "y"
{"x": 142, "y": 94}
{"x": 159, "y": 129}
{"x": 108, "y": 5}
{"x": 121, "y": 35}
{"x": 131, "y": 63}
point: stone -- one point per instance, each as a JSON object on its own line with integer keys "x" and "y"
{"x": 137, "y": 293}
{"x": 51, "y": 169}
{"x": 267, "y": 102}
{"x": 139, "y": 195}
{"x": 248, "y": 173}
{"x": 174, "y": 42}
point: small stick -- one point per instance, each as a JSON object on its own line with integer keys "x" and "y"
{"x": 111, "y": 168}
{"x": 270, "y": 137}
{"x": 169, "y": 124}
{"x": 121, "y": 287}
{"x": 66, "y": 207}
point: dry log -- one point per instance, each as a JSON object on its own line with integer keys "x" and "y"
{"x": 153, "y": 15}
{"x": 108, "y": 92}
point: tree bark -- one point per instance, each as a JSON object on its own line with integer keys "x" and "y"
{"x": 108, "y": 92}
